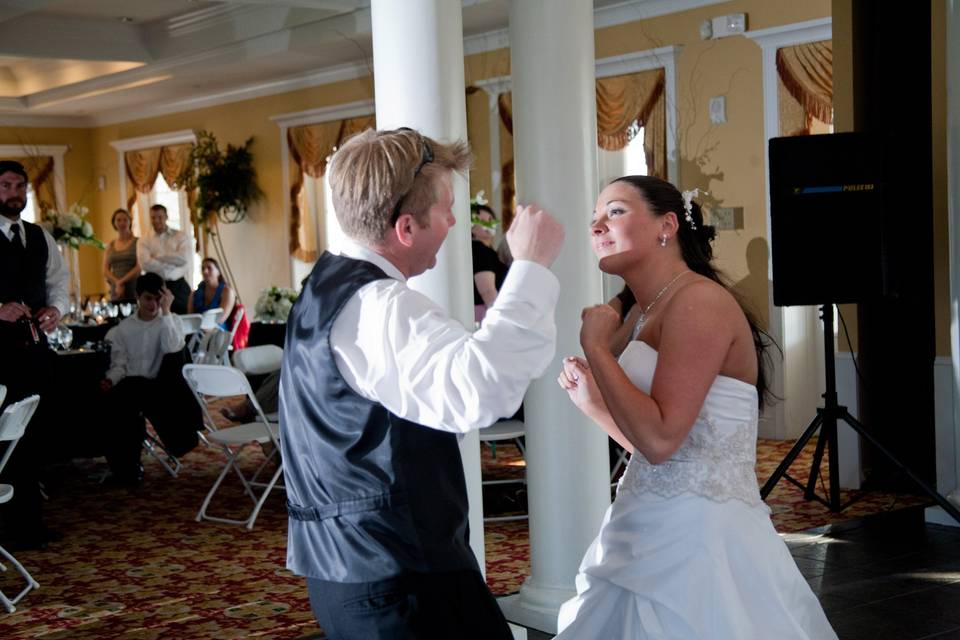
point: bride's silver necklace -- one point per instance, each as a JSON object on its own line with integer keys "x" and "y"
{"x": 646, "y": 310}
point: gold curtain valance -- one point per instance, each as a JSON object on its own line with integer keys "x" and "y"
{"x": 143, "y": 166}
{"x": 624, "y": 103}
{"x": 310, "y": 147}
{"x": 806, "y": 71}
{"x": 40, "y": 175}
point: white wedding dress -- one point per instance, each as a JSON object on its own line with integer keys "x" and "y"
{"x": 687, "y": 550}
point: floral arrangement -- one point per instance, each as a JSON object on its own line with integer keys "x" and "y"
{"x": 71, "y": 227}
{"x": 225, "y": 181}
{"x": 475, "y": 203}
{"x": 274, "y": 304}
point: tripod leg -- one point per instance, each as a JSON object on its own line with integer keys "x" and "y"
{"x": 810, "y": 491}
{"x": 791, "y": 456}
{"x": 930, "y": 491}
{"x": 833, "y": 464}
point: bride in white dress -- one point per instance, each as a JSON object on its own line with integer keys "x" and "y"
{"x": 687, "y": 549}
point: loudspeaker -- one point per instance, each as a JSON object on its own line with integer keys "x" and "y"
{"x": 827, "y": 219}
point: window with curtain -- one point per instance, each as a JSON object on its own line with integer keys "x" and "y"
{"x": 149, "y": 174}
{"x": 315, "y": 199}
{"x": 313, "y": 224}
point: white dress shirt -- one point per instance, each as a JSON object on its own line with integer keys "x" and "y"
{"x": 167, "y": 254}
{"x": 137, "y": 346}
{"x": 58, "y": 276}
{"x": 397, "y": 347}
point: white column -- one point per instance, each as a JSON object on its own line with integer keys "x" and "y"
{"x": 496, "y": 177}
{"x": 949, "y": 438}
{"x": 555, "y": 142}
{"x": 418, "y": 75}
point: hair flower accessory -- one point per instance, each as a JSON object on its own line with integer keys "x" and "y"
{"x": 688, "y": 197}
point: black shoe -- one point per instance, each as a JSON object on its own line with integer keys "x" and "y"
{"x": 31, "y": 540}
{"x": 132, "y": 477}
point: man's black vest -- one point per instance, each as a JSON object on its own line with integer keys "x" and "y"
{"x": 370, "y": 495}
{"x": 24, "y": 271}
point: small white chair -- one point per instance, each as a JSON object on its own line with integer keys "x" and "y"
{"x": 209, "y": 319}
{"x": 13, "y": 422}
{"x": 623, "y": 457}
{"x": 217, "y": 381}
{"x": 259, "y": 360}
{"x": 214, "y": 347}
{"x": 505, "y": 430}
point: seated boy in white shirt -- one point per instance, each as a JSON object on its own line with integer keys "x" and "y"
{"x": 144, "y": 381}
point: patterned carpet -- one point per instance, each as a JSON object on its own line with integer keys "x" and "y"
{"x": 135, "y": 564}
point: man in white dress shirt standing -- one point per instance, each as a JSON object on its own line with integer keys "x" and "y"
{"x": 167, "y": 253}
{"x": 377, "y": 385}
{"x": 33, "y": 296}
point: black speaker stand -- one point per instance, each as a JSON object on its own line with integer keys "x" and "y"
{"x": 826, "y": 422}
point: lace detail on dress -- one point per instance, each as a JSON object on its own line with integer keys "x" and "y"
{"x": 716, "y": 462}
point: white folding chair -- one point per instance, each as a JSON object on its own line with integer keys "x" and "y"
{"x": 214, "y": 348}
{"x": 217, "y": 381}
{"x": 623, "y": 457}
{"x": 191, "y": 331}
{"x": 505, "y": 430}
{"x": 13, "y": 422}
{"x": 259, "y": 360}
{"x": 209, "y": 319}
{"x": 237, "y": 317}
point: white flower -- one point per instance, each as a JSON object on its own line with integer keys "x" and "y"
{"x": 87, "y": 229}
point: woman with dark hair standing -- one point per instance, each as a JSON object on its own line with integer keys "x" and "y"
{"x": 120, "y": 265}
{"x": 213, "y": 292}
{"x": 488, "y": 272}
{"x": 687, "y": 549}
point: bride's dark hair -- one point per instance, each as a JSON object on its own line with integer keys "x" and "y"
{"x": 697, "y": 251}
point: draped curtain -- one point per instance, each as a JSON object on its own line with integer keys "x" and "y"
{"x": 144, "y": 165}
{"x": 310, "y": 147}
{"x": 625, "y": 104}
{"x": 40, "y": 176}
{"x": 806, "y": 86}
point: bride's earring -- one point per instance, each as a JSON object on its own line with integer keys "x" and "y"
{"x": 663, "y": 240}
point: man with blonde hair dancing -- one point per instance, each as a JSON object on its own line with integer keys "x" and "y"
{"x": 378, "y": 383}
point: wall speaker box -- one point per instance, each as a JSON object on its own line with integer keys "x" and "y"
{"x": 826, "y": 216}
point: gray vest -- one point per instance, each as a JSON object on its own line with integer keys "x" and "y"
{"x": 370, "y": 495}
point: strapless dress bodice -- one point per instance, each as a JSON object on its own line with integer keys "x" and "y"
{"x": 718, "y": 458}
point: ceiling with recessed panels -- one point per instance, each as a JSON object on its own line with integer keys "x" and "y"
{"x": 87, "y": 62}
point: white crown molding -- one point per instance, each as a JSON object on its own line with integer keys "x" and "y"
{"x": 636, "y": 10}
{"x": 488, "y": 41}
{"x": 658, "y": 58}
{"x": 38, "y": 121}
{"x": 339, "y": 73}
{"x": 157, "y": 140}
{"x": 790, "y": 34}
{"x": 325, "y": 114}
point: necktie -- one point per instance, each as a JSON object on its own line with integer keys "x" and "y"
{"x": 16, "y": 240}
